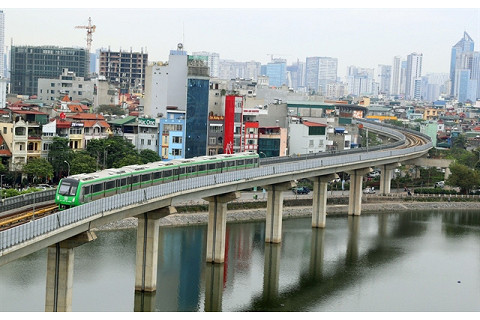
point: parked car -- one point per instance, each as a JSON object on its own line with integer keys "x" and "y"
{"x": 44, "y": 186}
{"x": 301, "y": 190}
{"x": 440, "y": 184}
{"x": 369, "y": 190}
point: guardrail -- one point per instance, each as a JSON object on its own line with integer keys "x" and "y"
{"x": 13, "y": 236}
{"x": 26, "y": 199}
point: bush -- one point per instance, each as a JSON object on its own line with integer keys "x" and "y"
{"x": 434, "y": 191}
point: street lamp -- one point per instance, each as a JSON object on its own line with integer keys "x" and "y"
{"x": 260, "y": 153}
{"x": 68, "y": 173}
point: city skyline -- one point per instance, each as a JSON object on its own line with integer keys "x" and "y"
{"x": 365, "y": 37}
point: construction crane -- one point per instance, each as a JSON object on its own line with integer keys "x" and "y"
{"x": 276, "y": 54}
{"x": 90, "y": 30}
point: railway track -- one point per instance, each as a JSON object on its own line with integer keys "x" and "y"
{"x": 14, "y": 219}
{"x": 411, "y": 140}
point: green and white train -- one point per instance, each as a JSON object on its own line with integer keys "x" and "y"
{"x": 82, "y": 188}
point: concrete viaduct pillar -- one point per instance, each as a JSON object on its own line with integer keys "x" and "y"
{"x": 59, "y": 284}
{"x": 273, "y": 227}
{"x": 386, "y": 177}
{"x": 217, "y": 224}
{"x": 319, "y": 210}
{"x": 355, "y": 196}
{"x": 147, "y": 249}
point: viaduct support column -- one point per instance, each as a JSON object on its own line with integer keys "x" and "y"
{"x": 355, "y": 196}
{"x": 147, "y": 249}
{"x": 59, "y": 284}
{"x": 319, "y": 210}
{"x": 217, "y": 224}
{"x": 386, "y": 177}
{"x": 273, "y": 227}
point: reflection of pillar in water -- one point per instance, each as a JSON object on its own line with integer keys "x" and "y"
{"x": 352, "y": 245}
{"x": 317, "y": 252}
{"x": 271, "y": 271}
{"x": 144, "y": 301}
{"x": 382, "y": 225}
{"x": 214, "y": 276}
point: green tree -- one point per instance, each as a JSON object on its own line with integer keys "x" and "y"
{"x": 110, "y": 150}
{"x": 127, "y": 161}
{"x": 82, "y": 162}
{"x": 111, "y": 109}
{"x": 39, "y": 168}
{"x": 463, "y": 177}
{"x": 148, "y": 155}
{"x": 58, "y": 155}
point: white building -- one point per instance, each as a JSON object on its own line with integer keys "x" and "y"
{"x": 213, "y": 62}
{"x": 77, "y": 88}
{"x": 413, "y": 76}
{"x": 307, "y": 137}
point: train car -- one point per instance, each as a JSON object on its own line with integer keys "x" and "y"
{"x": 82, "y": 188}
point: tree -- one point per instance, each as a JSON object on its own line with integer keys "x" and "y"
{"x": 60, "y": 153}
{"x": 110, "y": 150}
{"x": 82, "y": 162}
{"x": 111, "y": 109}
{"x": 127, "y": 161}
{"x": 148, "y": 155}
{"x": 463, "y": 177}
{"x": 38, "y": 168}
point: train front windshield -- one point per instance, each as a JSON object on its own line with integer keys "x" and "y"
{"x": 68, "y": 187}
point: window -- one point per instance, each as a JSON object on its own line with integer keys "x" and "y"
{"x": 4, "y": 130}
{"x": 109, "y": 185}
{"x": 176, "y": 139}
{"x": 149, "y": 142}
{"x": 212, "y": 140}
{"x": 97, "y": 187}
{"x": 176, "y": 152}
{"x": 146, "y": 177}
{"x": 86, "y": 190}
{"x": 310, "y": 144}
{"x": 142, "y": 142}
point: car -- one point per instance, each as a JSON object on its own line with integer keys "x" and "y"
{"x": 369, "y": 190}
{"x": 301, "y": 190}
{"x": 44, "y": 186}
{"x": 440, "y": 184}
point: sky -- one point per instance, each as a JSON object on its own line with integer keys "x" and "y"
{"x": 363, "y": 37}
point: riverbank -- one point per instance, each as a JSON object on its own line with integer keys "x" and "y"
{"x": 258, "y": 214}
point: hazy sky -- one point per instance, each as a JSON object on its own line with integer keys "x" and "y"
{"x": 363, "y": 37}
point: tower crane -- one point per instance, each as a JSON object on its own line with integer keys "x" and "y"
{"x": 90, "y": 30}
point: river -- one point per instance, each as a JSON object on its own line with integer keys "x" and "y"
{"x": 408, "y": 261}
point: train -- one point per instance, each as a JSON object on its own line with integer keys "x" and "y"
{"x": 78, "y": 189}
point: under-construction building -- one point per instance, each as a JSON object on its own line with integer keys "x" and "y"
{"x": 124, "y": 69}
{"x": 30, "y": 63}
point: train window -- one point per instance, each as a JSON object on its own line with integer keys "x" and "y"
{"x": 135, "y": 179}
{"x": 230, "y": 163}
{"x": 68, "y": 187}
{"x": 202, "y": 167}
{"x": 175, "y": 172}
{"x": 146, "y": 177}
{"x": 86, "y": 190}
{"x": 211, "y": 166}
{"x": 123, "y": 182}
{"x": 191, "y": 169}
{"x": 220, "y": 165}
{"x": 248, "y": 161}
{"x": 167, "y": 173}
{"x": 157, "y": 175}
{"x": 97, "y": 187}
{"x": 109, "y": 185}
{"x": 182, "y": 170}
{"x": 240, "y": 162}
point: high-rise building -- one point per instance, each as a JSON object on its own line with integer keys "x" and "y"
{"x": 2, "y": 45}
{"x": 413, "y": 76}
{"x": 360, "y": 81}
{"x": 320, "y": 71}
{"x": 396, "y": 68}
{"x": 213, "y": 62}
{"x": 125, "y": 69}
{"x": 385, "y": 76}
{"x": 30, "y": 63}
{"x": 457, "y": 61}
{"x": 297, "y": 75}
{"x": 276, "y": 72}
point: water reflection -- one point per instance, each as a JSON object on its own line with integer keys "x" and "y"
{"x": 385, "y": 262}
